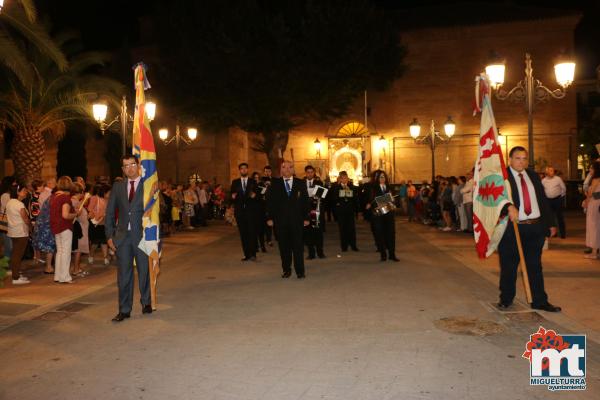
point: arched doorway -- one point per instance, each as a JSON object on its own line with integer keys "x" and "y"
{"x": 347, "y": 150}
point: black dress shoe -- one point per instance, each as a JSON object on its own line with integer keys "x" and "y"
{"x": 322, "y": 255}
{"x": 383, "y": 257}
{"x": 286, "y": 274}
{"x": 503, "y": 306}
{"x": 245, "y": 259}
{"x": 393, "y": 258}
{"x": 547, "y": 307}
{"x": 263, "y": 249}
{"x": 147, "y": 309}
{"x": 120, "y": 317}
{"x": 302, "y": 276}
{"x": 355, "y": 248}
{"x": 310, "y": 257}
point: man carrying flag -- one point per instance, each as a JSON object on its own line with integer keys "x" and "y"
{"x": 135, "y": 201}
{"x": 493, "y": 205}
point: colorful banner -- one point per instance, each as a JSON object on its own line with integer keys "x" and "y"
{"x": 143, "y": 148}
{"x": 492, "y": 190}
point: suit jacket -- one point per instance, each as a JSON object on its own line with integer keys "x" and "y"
{"x": 243, "y": 201}
{"x": 543, "y": 204}
{"x": 350, "y": 203}
{"x": 130, "y": 214}
{"x": 288, "y": 210}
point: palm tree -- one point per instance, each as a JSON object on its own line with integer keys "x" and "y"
{"x": 18, "y": 26}
{"x": 53, "y": 98}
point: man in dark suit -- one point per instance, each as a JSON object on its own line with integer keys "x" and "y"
{"x": 288, "y": 213}
{"x": 345, "y": 202}
{"x": 126, "y": 203}
{"x": 313, "y": 233}
{"x": 243, "y": 195}
{"x": 531, "y": 211}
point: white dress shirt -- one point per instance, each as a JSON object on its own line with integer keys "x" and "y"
{"x": 535, "y": 208}
{"x": 244, "y": 181}
{"x": 554, "y": 187}
{"x": 290, "y": 183}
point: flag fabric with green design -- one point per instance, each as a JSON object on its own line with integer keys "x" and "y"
{"x": 491, "y": 191}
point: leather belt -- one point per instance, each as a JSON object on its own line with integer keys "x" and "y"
{"x": 529, "y": 221}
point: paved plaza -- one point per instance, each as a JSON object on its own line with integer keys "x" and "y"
{"x": 356, "y": 328}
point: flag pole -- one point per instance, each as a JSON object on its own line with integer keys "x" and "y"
{"x": 522, "y": 263}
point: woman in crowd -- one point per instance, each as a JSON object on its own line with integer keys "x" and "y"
{"x": 18, "y": 230}
{"x": 592, "y": 214}
{"x": 446, "y": 204}
{"x": 62, "y": 215}
{"x": 190, "y": 199}
{"x": 176, "y": 211}
{"x": 219, "y": 197}
{"x": 7, "y": 183}
{"x": 43, "y": 239}
{"x": 81, "y": 238}
{"x": 33, "y": 206}
{"x": 96, "y": 214}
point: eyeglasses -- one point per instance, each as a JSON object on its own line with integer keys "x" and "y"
{"x": 129, "y": 165}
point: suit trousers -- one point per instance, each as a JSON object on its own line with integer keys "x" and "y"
{"x": 532, "y": 240}
{"x": 557, "y": 208}
{"x": 289, "y": 239}
{"x": 384, "y": 230}
{"x": 313, "y": 239}
{"x": 347, "y": 226}
{"x": 246, "y": 222}
{"x": 127, "y": 251}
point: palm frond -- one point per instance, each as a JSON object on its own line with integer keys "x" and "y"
{"x": 37, "y": 35}
{"x": 13, "y": 58}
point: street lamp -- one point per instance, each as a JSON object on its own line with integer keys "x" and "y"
{"x": 100, "y": 111}
{"x": 317, "y": 145}
{"x": 163, "y": 134}
{"x": 530, "y": 89}
{"x": 433, "y": 138}
{"x": 1, "y": 4}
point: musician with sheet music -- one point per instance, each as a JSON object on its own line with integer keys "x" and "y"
{"x": 381, "y": 205}
{"x": 345, "y": 202}
{"x": 313, "y": 233}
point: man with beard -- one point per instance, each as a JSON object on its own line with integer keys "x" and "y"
{"x": 243, "y": 195}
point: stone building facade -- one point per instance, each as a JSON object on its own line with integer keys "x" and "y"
{"x": 439, "y": 82}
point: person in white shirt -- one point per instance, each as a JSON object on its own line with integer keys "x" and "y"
{"x": 7, "y": 183}
{"x": 18, "y": 231}
{"x": 555, "y": 190}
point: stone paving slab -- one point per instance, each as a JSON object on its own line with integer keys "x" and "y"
{"x": 356, "y": 328}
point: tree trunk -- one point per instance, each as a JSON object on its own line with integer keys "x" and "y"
{"x": 28, "y": 154}
{"x": 274, "y": 147}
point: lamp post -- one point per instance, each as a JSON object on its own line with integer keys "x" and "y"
{"x": 530, "y": 89}
{"x": 163, "y": 134}
{"x": 433, "y": 138}
{"x": 317, "y": 145}
{"x": 100, "y": 111}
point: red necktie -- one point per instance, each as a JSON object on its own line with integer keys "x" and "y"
{"x": 526, "y": 198}
{"x": 131, "y": 190}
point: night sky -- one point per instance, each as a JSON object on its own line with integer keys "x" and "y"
{"x": 109, "y": 24}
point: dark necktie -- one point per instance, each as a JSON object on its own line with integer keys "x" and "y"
{"x": 131, "y": 190}
{"x": 526, "y": 198}
{"x": 288, "y": 189}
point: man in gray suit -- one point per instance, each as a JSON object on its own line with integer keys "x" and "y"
{"x": 125, "y": 208}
